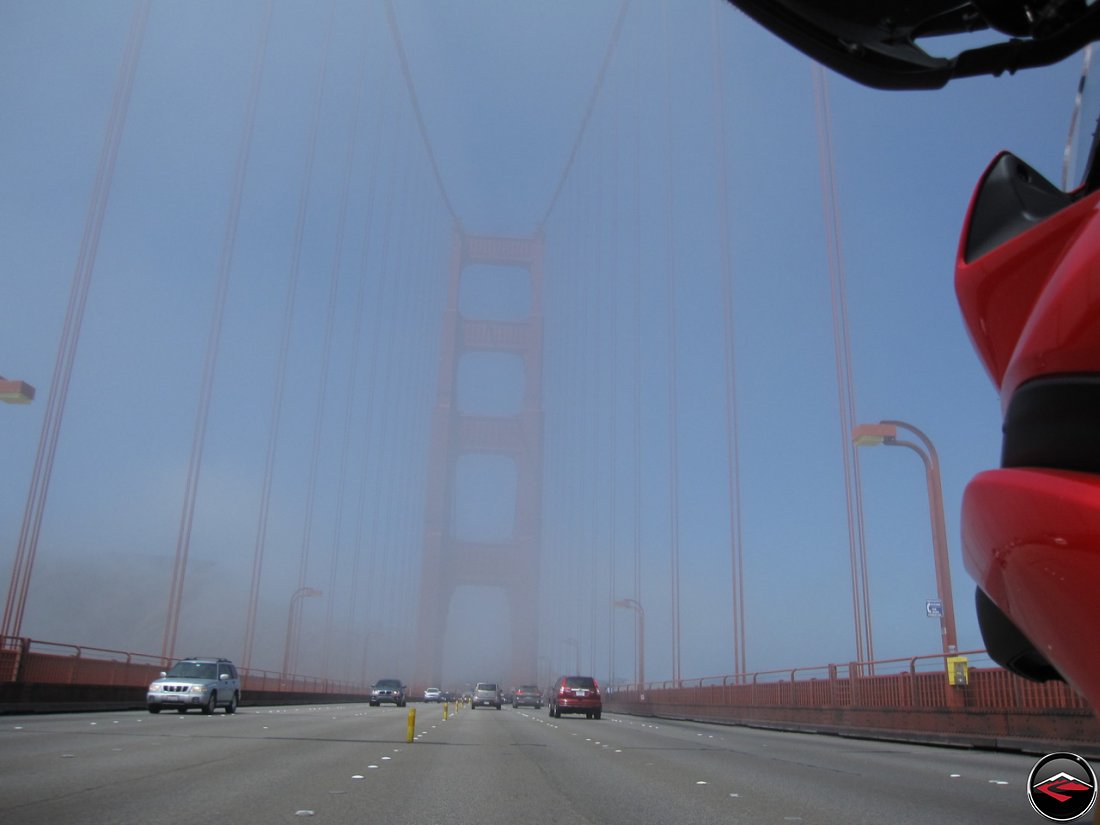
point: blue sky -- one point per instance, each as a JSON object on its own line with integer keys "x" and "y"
{"x": 503, "y": 89}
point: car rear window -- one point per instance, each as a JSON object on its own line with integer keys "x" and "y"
{"x": 582, "y": 682}
{"x": 487, "y": 686}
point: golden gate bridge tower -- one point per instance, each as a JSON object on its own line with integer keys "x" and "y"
{"x": 511, "y": 563}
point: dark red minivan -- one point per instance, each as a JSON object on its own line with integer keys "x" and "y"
{"x": 576, "y": 694}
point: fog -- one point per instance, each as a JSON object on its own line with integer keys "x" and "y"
{"x": 668, "y": 156}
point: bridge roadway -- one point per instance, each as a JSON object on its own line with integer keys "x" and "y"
{"x": 351, "y": 764}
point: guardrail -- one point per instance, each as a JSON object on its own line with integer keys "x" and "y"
{"x": 960, "y": 700}
{"x": 38, "y": 675}
{"x": 933, "y": 698}
{"x": 912, "y": 682}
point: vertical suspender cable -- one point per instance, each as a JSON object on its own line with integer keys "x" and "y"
{"x": 354, "y": 368}
{"x": 405, "y": 516}
{"x": 419, "y": 387}
{"x": 861, "y": 607}
{"x": 600, "y": 396}
{"x": 337, "y": 263}
{"x": 581, "y": 353}
{"x": 353, "y": 373}
{"x": 374, "y": 457}
{"x": 673, "y": 408}
{"x": 585, "y": 352}
{"x": 636, "y": 366}
{"x": 392, "y": 602}
{"x": 16, "y": 601}
{"x": 364, "y": 544}
{"x": 612, "y": 381}
{"x": 733, "y": 463}
{"x": 225, "y": 266}
{"x": 322, "y": 390}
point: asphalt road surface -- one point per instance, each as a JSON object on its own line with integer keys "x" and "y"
{"x": 352, "y": 764}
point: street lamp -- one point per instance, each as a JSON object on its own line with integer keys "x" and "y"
{"x": 292, "y": 623}
{"x": 639, "y": 654}
{"x": 886, "y": 432}
{"x": 15, "y": 392}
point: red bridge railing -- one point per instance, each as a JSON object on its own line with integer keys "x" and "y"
{"x": 964, "y": 699}
{"x": 913, "y": 682}
{"x": 32, "y": 662}
{"x": 968, "y": 701}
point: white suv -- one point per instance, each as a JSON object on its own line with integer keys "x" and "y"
{"x": 196, "y": 683}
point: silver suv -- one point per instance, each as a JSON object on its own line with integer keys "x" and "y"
{"x": 196, "y": 683}
{"x": 486, "y": 693}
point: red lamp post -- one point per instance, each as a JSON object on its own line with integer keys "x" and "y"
{"x": 886, "y": 432}
{"x": 291, "y": 649}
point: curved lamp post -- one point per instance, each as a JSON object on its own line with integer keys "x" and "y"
{"x": 886, "y": 432}
{"x": 292, "y": 622}
{"x": 15, "y": 392}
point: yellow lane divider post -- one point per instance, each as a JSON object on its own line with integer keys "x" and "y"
{"x": 446, "y": 709}
{"x": 412, "y": 725}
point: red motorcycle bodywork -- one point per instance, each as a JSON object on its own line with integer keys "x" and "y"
{"x": 1031, "y": 536}
{"x": 1031, "y": 304}
{"x": 1031, "y": 539}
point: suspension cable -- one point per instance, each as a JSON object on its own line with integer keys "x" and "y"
{"x": 395, "y": 33}
{"x": 337, "y": 264}
{"x": 70, "y": 335}
{"x": 608, "y": 54}
{"x": 843, "y": 355}
{"x": 673, "y": 357}
{"x": 733, "y": 463}
{"x": 354, "y": 371}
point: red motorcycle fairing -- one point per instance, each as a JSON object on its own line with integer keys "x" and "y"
{"x": 1031, "y": 302}
{"x": 1028, "y": 283}
{"x": 1031, "y": 539}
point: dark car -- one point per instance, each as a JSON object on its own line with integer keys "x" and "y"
{"x": 387, "y": 690}
{"x": 528, "y": 695}
{"x": 576, "y": 694}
